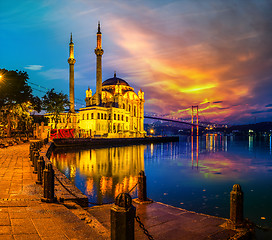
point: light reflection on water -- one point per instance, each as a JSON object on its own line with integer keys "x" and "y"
{"x": 102, "y": 174}
{"x": 196, "y": 174}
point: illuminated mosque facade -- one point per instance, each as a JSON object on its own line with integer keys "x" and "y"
{"x": 114, "y": 110}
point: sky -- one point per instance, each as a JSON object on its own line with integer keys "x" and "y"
{"x": 216, "y": 54}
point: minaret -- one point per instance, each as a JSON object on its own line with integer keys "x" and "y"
{"x": 98, "y": 52}
{"x": 71, "y": 61}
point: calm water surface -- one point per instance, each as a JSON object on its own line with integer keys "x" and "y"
{"x": 196, "y": 173}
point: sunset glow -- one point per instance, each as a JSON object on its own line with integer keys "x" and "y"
{"x": 214, "y": 54}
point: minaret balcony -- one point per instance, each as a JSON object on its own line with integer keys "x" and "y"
{"x": 99, "y": 52}
{"x": 71, "y": 60}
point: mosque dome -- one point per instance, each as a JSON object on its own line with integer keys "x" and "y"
{"x": 115, "y": 81}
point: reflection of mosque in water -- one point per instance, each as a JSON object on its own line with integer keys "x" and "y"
{"x": 106, "y": 172}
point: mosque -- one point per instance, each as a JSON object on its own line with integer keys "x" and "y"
{"x": 113, "y": 111}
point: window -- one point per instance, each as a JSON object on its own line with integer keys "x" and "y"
{"x": 109, "y": 116}
{"x": 105, "y": 116}
{"x": 122, "y": 118}
{"x": 82, "y": 116}
{"x": 87, "y": 116}
{"x": 91, "y": 115}
{"x": 124, "y": 106}
{"x": 101, "y": 115}
{"x": 114, "y": 116}
{"x": 135, "y": 111}
{"x": 126, "y": 119}
{"x": 98, "y": 115}
{"x": 118, "y": 116}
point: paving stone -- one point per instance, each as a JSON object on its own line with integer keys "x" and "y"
{"x": 4, "y": 230}
{"x": 6, "y": 237}
{"x": 4, "y": 222}
{"x": 4, "y": 214}
{"x": 27, "y": 237}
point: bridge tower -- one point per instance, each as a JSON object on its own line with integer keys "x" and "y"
{"x": 194, "y": 114}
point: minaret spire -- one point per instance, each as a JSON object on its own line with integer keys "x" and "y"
{"x": 71, "y": 61}
{"x": 71, "y": 39}
{"x": 98, "y": 52}
{"x": 98, "y": 29}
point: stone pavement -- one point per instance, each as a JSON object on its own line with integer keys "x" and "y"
{"x": 165, "y": 222}
{"x": 24, "y": 216}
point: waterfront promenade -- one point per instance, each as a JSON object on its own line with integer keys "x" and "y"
{"x": 24, "y": 216}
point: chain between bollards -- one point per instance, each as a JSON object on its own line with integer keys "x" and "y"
{"x": 132, "y": 188}
{"x": 141, "y": 225}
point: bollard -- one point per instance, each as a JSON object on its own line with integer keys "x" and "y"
{"x": 236, "y": 205}
{"x": 142, "y": 186}
{"x": 31, "y": 153}
{"x": 30, "y": 150}
{"x": 40, "y": 168}
{"x": 32, "y": 156}
{"x": 122, "y": 218}
{"x": 48, "y": 183}
{"x": 35, "y": 161}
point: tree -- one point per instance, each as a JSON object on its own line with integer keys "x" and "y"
{"x": 16, "y": 100}
{"x": 55, "y": 103}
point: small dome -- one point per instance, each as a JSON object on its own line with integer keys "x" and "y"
{"x": 115, "y": 81}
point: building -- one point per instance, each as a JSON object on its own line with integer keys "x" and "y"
{"x": 114, "y": 110}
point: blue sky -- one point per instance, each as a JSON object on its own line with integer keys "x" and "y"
{"x": 215, "y": 54}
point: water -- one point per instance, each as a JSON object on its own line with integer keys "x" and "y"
{"x": 196, "y": 174}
